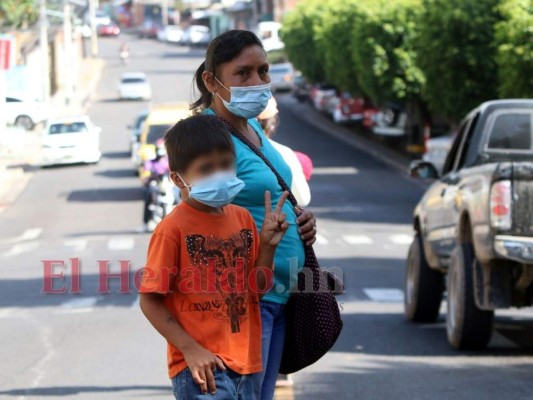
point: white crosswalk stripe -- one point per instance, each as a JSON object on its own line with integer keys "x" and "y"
{"x": 121, "y": 243}
{"x": 357, "y": 239}
{"x": 401, "y": 239}
{"x": 321, "y": 240}
{"x": 76, "y": 244}
{"x": 28, "y": 234}
{"x": 384, "y": 295}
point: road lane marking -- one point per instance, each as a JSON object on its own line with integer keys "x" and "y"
{"x": 357, "y": 239}
{"x": 401, "y": 238}
{"x": 340, "y": 209}
{"x": 21, "y": 248}
{"x": 28, "y": 234}
{"x": 76, "y": 244}
{"x": 384, "y": 295}
{"x": 81, "y": 302}
{"x": 121, "y": 243}
{"x": 335, "y": 171}
{"x": 322, "y": 240}
{"x": 136, "y": 302}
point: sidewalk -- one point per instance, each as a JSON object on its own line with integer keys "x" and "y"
{"x": 20, "y": 149}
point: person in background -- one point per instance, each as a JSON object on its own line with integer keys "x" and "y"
{"x": 153, "y": 169}
{"x": 269, "y": 120}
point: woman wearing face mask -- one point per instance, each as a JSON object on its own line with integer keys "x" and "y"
{"x": 235, "y": 85}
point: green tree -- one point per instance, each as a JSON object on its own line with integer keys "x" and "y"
{"x": 514, "y": 36}
{"x": 333, "y": 39}
{"x": 457, "y": 53}
{"x": 17, "y": 13}
{"x": 383, "y": 52}
{"x": 298, "y": 35}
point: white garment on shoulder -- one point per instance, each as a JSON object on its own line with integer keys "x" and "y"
{"x": 299, "y": 187}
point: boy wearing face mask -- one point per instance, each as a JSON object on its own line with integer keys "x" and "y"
{"x": 207, "y": 266}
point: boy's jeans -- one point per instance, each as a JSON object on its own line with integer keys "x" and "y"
{"x": 230, "y": 386}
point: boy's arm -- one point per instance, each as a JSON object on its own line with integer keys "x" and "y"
{"x": 200, "y": 361}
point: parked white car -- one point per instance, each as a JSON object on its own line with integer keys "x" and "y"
{"x": 282, "y": 76}
{"x": 25, "y": 113}
{"x": 437, "y": 150}
{"x": 170, "y": 34}
{"x": 196, "y": 35}
{"x": 70, "y": 140}
{"x": 134, "y": 85}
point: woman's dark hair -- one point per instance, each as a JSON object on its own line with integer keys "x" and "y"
{"x": 222, "y": 49}
{"x": 193, "y": 137}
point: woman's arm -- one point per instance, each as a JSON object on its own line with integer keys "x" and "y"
{"x": 201, "y": 362}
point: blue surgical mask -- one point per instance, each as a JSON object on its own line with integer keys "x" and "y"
{"x": 247, "y": 101}
{"x": 216, "y": 190}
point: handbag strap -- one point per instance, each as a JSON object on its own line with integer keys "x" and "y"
{"x": 239, "y": 135}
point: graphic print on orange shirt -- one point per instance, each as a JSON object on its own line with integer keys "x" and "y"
{"x": 222, "y": 263}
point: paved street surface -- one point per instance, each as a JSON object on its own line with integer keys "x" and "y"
{"x": 99, "y": 346}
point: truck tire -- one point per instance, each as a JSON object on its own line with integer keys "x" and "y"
{"x": 468, "y": 327}
{"x": 423, "y": 286}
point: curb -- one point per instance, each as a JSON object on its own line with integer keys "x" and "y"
{"x": 305, "y": 112}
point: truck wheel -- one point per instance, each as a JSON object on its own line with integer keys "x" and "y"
{"x": 468, "y": 327}
{"x": 25, "y": 122}
{"x": 423, "y": 286}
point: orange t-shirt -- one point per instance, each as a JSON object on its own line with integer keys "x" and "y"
{"x": 201, "y": 262}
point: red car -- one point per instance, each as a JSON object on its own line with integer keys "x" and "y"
{"x": 108, "y": 30}
{"x": 345, "y": 107}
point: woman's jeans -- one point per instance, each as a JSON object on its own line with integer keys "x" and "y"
{"x": 273, "y": 339}
{"x": 230, "y": 386}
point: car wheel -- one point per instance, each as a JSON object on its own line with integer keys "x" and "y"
{"x": 25, "y": 122}
{"x": 468, "y": 327}
{"x": 423, "y": 286}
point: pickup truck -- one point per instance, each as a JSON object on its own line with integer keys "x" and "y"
{"x": 474, "y": 225}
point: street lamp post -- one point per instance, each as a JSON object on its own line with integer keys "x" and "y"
{"x": 92, "y": 23}
{"x": 43, "y": 44}
{"x": 67, "y": 38}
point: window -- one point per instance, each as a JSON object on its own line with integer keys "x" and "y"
{"x": 466, "y": 142}
{"x": 452, "y": 154}
{"x": 511, "y": 131}
{"x": 156, "y": 132}
{"x": 75, "y": 127}
{"x": 12, "y": 100}
{"x": 133, "y": 80}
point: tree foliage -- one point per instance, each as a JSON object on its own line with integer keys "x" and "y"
{"x": 298, "y": 35}
{"x": 456, "y": 51}
{"x": 17, "y": 13}
{"x": 382, "y": 50}
{"x": 514, "y": 36}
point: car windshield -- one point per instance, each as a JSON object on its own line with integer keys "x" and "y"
{"x": 75, "y": 127}
{"x": 511, "y": 131}
{"x": 156, "y": 132}
{"x": 280, "y": 70}
{"x": 133, "y": 80}
{"x": 140, "y": 121}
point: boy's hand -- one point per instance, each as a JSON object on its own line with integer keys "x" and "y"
{"x": 274, "y": 224}
{"x": 202, "y": 363}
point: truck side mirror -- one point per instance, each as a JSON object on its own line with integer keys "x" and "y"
{"x": 423, "y": 170}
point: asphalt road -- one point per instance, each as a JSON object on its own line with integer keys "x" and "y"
{"x": 99, "y": 346}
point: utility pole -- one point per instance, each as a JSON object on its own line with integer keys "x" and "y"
{"x": 43, "y": 44}
{"x": 94, "y": 33}
{"x": 68, "y": 48}
{"x": 164, "y": 12}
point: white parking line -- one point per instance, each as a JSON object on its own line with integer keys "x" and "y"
{"x": 121, "y": 243}
{"x": 357, "y": 239}
{"x": 384, "y": 295}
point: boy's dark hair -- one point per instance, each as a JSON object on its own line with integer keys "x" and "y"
{"x": 193, "y": 137}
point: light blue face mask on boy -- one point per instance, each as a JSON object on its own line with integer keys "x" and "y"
{"x": 247, "y": 101}
{"x": 216, "y": 190}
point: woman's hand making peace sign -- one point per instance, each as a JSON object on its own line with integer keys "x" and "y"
{"x": 274, "y": 223}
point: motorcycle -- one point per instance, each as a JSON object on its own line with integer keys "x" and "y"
{"x": 161, "y": 197}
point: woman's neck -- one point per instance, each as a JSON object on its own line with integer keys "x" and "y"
{"x": 220, "y": 110}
